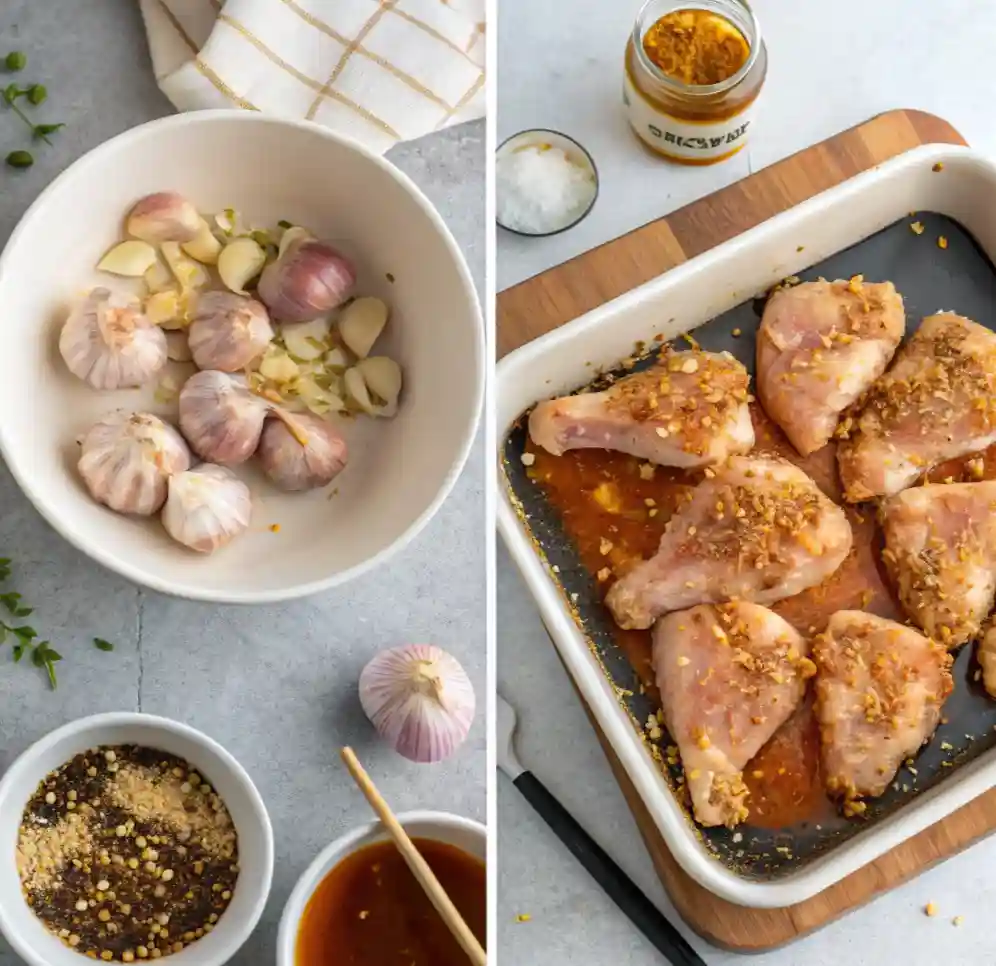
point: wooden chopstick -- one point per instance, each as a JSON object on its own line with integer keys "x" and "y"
{"x": 420, "y": 868}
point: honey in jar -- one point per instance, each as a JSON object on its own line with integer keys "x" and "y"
{"x": 694, "y": 70}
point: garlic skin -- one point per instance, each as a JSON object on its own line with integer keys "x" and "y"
{"x": 308, "y": 279}
{"x": 220, "y": 418}
{"x": 110, "y": 344}
{"x": 127, "y": 458}
{"x": 228, "y": 331}
{"x": 206, "y": 508}
{"x": 419, "y": 699}
{"x": 163, "y": 217}
{"x": 299, "y": 451}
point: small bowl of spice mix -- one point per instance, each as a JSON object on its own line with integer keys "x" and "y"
{"x": 133, "y": 838}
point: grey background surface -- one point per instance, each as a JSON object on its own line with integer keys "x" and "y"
{"x": 275, "y": 685}
{"x": 831, "y": 66}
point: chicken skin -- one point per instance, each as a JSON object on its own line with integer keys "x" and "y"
{"x": 758, "y": 529}
{"x": 729, "y": 676}
{"x": 940, "y": 549}
{"x": 937, "y": 402}
{"x": 689, "y": 409}
{"x": 819, "y": 347}
{"x": 880, "y": 687}
{"x": 986, "y": 654}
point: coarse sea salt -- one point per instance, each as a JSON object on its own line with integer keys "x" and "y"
{"x": 539, "y": 189}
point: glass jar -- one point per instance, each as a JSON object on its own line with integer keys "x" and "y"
{"x": 690, "y": 123}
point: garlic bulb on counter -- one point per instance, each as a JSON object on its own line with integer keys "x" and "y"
{"x": 308, "y": 279}
{"x": 109, "y": 343}
{"x": 206, "y": 508}
{"x": 228, "y": 331}
{"x": 299, "y": 451}
{"x": 127, "y": 459}
{"x": 419, "y": 699}
{"x": 220, "y": 418}
{"x": 162, "y": 217}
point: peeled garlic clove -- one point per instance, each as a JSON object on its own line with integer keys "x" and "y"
{"x": 314, "y": 397}
{"x": 185, "y": 270}
{"x": 419, "y": 699}
{"x": 127, "y": 458}
{"x": 220, "y": 418}
{"x": 107, "y": 342}
{"x": 239, "y": 262}
{"x": 203, "y": 246}
{"x": 207, "y": 507}
{"x": 356, "y": 390}
{"x": 309, "y": 279}
{"x": 301, "y": 452}
{"x": 131, "y": 259}
{"x": 163, "y": 217}
{"x": 277, "y": 366}
{"x": 336, "y": 359}
{"x": 306, "y": 341}
{"x": 177, "y": 347}
{"x": 228, "y": 331}
{"x": 165, "y": 309}
{"x": 361, "y": 323}
{"x": 383, "y": 380}
{"x": 158, "y": 278}
{"x": 292, "y": 234}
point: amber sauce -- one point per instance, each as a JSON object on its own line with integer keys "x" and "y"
{"x": 371, "y": 911}
{"x": 602, "y": 500}
{"x": 696, "y": 47}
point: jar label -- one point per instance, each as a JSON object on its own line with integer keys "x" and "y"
{"x": 685, "y": 140}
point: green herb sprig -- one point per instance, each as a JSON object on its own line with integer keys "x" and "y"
{"x": 34, "y": 94}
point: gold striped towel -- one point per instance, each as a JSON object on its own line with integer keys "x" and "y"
{"x": 380, "y": 71}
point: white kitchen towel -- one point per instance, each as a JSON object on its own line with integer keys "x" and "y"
{"x": 380, "y": 71}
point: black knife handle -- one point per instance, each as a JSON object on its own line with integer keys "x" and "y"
{"x": 617, "y": 885}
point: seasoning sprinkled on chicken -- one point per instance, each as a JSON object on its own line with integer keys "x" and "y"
{"x": 689, "y": 409}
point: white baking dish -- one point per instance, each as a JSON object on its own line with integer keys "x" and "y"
{"x": 679, "y": 301}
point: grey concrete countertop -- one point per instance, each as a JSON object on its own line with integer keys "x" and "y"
{"x": 560, "y": 67}
{"x": 275, "y": 685}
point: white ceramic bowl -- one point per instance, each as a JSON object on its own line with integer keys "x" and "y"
{"x": 25, "y": 932}
{"x": 464, "y": 833}
{"x": 400, "y": 470}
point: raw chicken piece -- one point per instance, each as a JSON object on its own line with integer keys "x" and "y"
{"x": 759, "y": 529}
{"x": 879, "y": 691}
{"x": 729, "y": 676}
{"x": 820, "y": 346}
{"x": 689, "y": 409}
{"x": 986, "y": 654}
{"x": 936, "y": 403}
{"x": 940, "y": 547}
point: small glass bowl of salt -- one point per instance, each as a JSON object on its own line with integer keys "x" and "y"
{"x": 545, "y": 183}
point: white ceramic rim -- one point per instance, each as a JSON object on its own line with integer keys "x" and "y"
{"x": 897, "y": 184}
{"x": 345, "y": 845}
{"x": 114, "y": 719}
{"x": 191, "y": 591}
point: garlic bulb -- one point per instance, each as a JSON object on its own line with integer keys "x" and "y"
{"x": 220, "y": 418}
{"x": 108, "y": 342}
{"x": 206, "y": 508}
{"x": 163, "y": 217}
{"x": 128, "y": 457}
{"x": 228, "y": 331}
{"x": 419, "y": 699}
{"x": 308, "y": 279}
{"x": 301, "y": 452}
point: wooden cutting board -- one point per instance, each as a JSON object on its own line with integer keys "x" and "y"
{"x": 561, "y": 294}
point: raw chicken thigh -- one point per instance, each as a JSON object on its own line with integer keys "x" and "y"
{"x": 936, "y": 403}
{"x": 820, "y": 346}
{"x": 759, "y": 529}
{"x": 880, "y": 687}
{"x": 729, "y": 677}
{"x": 940, "y": 547}
{"x": 689, "y": 409}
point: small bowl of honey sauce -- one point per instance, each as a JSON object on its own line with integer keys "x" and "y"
{"x": 358, "y": 904}
{"x": 693, "y": 72}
